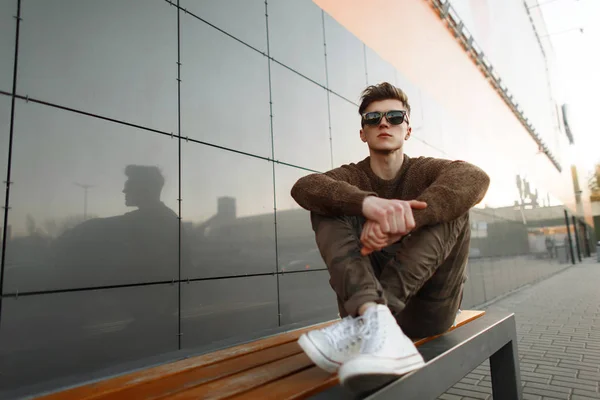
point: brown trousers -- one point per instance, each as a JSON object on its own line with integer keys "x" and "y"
{"x": 420, "y": 277}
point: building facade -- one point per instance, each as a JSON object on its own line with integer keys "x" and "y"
{"x": 149, "y": 148}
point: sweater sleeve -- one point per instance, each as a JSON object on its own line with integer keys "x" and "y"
{"x": 456, "y": 186}
{"x": 333, "y": 193}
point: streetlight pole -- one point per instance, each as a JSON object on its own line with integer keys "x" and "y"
{"x": 85, "y": 188}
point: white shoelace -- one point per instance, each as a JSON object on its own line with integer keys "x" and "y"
{"x": 368, "y": 330}
{"x": 343, "y": 334}
{"x": 350, "y": 330}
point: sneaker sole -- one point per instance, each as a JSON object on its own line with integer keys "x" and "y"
{"x": 366, "y": 374}
{"x": 315, "y": 355}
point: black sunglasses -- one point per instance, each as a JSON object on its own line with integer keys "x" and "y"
{"x": 394, "y": 117}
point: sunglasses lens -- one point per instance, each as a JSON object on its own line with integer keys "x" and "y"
{"x": 395, "y": 117}
{"x": 372, "y": 118}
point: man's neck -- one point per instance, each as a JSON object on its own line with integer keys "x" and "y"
{"x": 148, "y": 205}
{"x": 386, "y": 165}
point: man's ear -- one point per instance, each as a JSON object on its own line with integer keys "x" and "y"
{"x": 363, "y": 136}
{"x": 408, "y": 132}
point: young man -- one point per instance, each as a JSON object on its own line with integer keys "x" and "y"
{"x": 394, "y": 233}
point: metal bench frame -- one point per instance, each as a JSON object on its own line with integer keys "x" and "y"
{"x": 452, "y": 356}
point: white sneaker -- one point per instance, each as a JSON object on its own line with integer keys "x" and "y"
{"x": 332, "y": 346}
{"x": 386, "y": 353}
{"x": 456, "y": 318}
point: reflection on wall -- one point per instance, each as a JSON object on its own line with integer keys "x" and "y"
{"x": 225, "y": 244}
{"x": 141, "y": 245}
{"x": 228, "y": 244}
{"x": 515, "y": 244}
{"x": 82, "y": 250}
{"x": 531, "y": 226}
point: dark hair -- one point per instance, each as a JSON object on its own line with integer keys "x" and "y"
{"x": 146, "y": 177}
{"x": 382, "y": 91}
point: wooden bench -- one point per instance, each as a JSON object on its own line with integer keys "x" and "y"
{"x": 276, "y": 368}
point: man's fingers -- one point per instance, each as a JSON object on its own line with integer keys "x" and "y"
{"x": 372, "y": 247}
{"x": 394, "y": 239}
{"x": 409, "y": 220}
{"x": 401, "y": 224}
{"x": 366, "y": 232}
{"x": 374, "y": 243}
{"x": 383, "y": 221}
{"x": 377, "y": 233}
{"x": 397, "y": 219}
{"x": 372, "y": 237}
{"x": 417, "y": 205}
{"x": 368, "y": 235}
{"x": 393, "y": 220}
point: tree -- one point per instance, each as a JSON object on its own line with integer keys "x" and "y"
{"x": 31, "y": 225}
{"x": 56, "y": 227}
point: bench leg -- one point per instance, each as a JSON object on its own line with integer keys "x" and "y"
{"x": 506, "y": 375}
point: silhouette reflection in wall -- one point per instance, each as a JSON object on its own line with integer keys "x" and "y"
{"x": 139, "y": 246}
{"x": 103, "y": 326}
{"x": 227, "y": 244}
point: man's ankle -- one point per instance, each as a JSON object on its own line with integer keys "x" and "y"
{"x": 363, "y": 309}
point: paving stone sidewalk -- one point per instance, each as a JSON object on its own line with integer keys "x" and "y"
{"x": 558, "y": 329}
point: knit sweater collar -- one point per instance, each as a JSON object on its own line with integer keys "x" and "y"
{"x": 365, "y": 165}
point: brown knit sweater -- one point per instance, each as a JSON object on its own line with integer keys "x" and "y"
{"x": 450, "y": 188}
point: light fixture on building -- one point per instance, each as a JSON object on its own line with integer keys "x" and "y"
{"x": 566, "y": 116}
{"x": 542, "y": 4}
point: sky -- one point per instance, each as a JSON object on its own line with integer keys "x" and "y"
{"x": 577, "y": 63}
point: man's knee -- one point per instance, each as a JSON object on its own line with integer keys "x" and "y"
{"x": 448, "y": 231}
{"x": 352, "y": 276}
{"x": 433, "y": 244}
{"x": 430, "y": 263}
{"x": 422, "y": 318}
{"x": 336, "y": 238}
{"x": 342, "y": 223}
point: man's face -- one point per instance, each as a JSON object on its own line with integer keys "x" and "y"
{"x": 384, "y": 136}
{"x": 130, "y": 194}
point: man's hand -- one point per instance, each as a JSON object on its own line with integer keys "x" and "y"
{"x": 387, "y": 221}
{"x": 373, "y": 238}
{"x": 394, "y": 216}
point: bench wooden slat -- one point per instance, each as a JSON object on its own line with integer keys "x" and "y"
{"x": 199, "y": 376}
{"x": 298, "y": 386}
{"x": 273, "y": 367}
{"x": 245, "y": 381}
{"x": 116, "y": 384}
{"x": 463, "y": 318}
